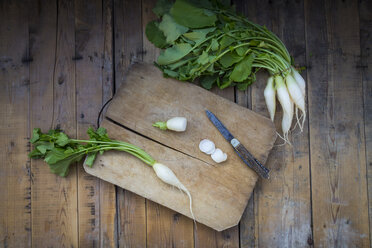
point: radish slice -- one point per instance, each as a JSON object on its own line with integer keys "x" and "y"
{"x": 207, "y": 146}
{"x": 219, "y": 156}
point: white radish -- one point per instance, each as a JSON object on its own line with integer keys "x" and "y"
{"x": 287, "y": 106}
{"x": 269, "y": 94}
{"x": 300, "y": 81}
{"x": 283, "y": 95}
{"x": 297, "y": 97}
{"x": 207, "y": 146}
{"x": 219, "y": 156}
{"x": 177, "y": 124}
{"x": 286, "y": 125}
{"x": 167, "y": 176}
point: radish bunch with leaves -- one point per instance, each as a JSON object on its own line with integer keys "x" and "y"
{"x": 208, "y": 41}
{"x": 60, "y": 152}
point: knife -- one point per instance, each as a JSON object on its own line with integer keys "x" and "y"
{"x": 243, "y": 153}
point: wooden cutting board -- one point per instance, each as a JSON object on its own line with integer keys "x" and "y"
{"x": 220, "y": 192}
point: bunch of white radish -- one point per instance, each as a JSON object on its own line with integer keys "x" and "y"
{"x": 290, "y": 90}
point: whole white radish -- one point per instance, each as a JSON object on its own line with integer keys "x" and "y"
{"x": 287, "y": 105}
{"x": 167, "y": 176}
{"x": 177, "y": 124}
{"x": 270, "y": 100}
{"x": 297, "y": 96}
{"x": 219, "y": 156}
{"x": 207, "y": 146}
{"x": 283, "y": 95}
{"x": 300, "y": 81}
{"x": 286, "y": 125}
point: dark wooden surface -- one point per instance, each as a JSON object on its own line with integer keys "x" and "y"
{"x": 61, "y": 60}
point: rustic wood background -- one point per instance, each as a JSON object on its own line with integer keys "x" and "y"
{"x": 61, "y": 60}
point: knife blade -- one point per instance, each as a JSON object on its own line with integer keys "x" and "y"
{"x": 242, "y": 152}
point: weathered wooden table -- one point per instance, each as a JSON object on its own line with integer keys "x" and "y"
{"x": 61, "y": 60}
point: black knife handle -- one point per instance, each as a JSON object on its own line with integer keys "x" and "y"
{"x": 249, "y": 160}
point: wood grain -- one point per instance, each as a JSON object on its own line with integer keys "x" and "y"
{"x": 365, "y": 66}
{"x": 165, "y": 227}
{"x": 89, "y": 55}
{"x": 54, "y": 208}
{"x": 128, "y": 47}
{"x": 282, "y": 204}
{"x": 108, "y": 214}
{"x": 338, "y": 172}
{"x": 207, "y": 237}
{"x": 38, "y": 56}
{"x": 244, "y": 98}
{"x": 15, "y": 174}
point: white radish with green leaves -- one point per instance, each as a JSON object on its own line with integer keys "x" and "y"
{"x": 177, "y": 124}
{"x": 290, "y": 89}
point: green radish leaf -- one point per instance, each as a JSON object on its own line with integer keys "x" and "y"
{"x": 188, "y": 14}
{"x": 162, "y": 7}
{"x": 229, "y": 59}
{"x": 225, "y": 84}
{"x": 226, "y": 41}
{"x": 243, "y": 69}
{"x": 171, "y": 29}
{"x": 35, "y": 135}
{"x": 207, "y": 82}
{"x": 203, "y": 58}
{"x": 44, "y": 146}
{"x": 102, "y": 132}
{"x": 214, "y": 45}
{"x": 170, "y": 73}
{"x": 194, "y": 36}
{"x": 198, "y": 34}
{"x": 241, "y": 50}
{"x": 90, "y": 159}
{"x": 35, "y": 154}
{"x": 62, "y": 139}
{"x": 178, "y": 64}
{"x": 155, "y": 35}
{"x": 254, "y": 43}
{"x": 242, "y": 86}
{"x": 174, "y": 53}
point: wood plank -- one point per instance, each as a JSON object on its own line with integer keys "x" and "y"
{"x": 282, "y": 205}
{"x": 52, "y": 73}
{"x": 365, "y": 17}
{"x": 337, "y": 145}
{"x": 108, "y": 215}
{"x": 15, "y": 191}
{"x": 165, "y": 227}
{"x": 128, "y": 46}
{"x": 205, "y": 236}
{"x": 89, "y": 55}
{"x": 244, "y": 98}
